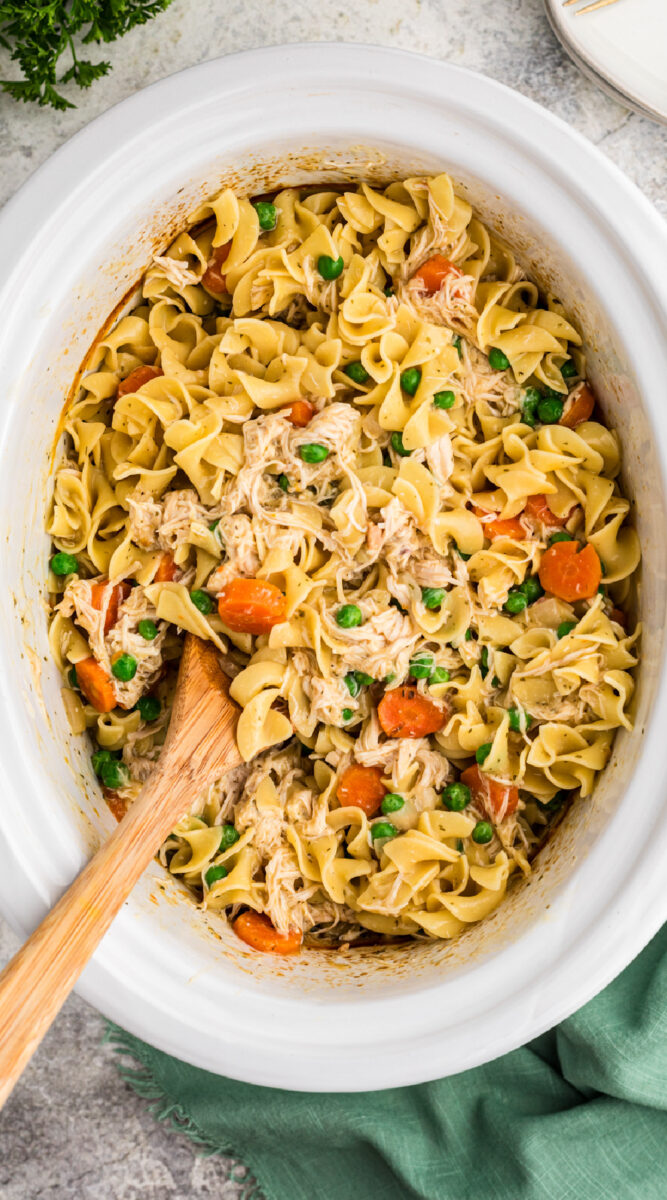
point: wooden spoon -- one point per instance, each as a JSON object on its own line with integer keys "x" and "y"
{"x": 200, "y": 745}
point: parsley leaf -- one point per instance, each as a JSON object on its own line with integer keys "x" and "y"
{"x": 38, "y": 32}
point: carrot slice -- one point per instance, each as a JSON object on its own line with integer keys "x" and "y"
{"x": 570, "y": 573}
{"x": 117, "y": 806}
{"x": 96, "y": 685}
{"x": 361, "y": 787}
{"x": 251, "y": 605}
{"x": 434, "y": 271}
{"x": 166, "y": 571}
{"x": 256, "y": 930}
{"x": 493, "y": 527}
{"x": 499, "y": 800}
{"x": 136, "y": 379}
{"x": 404, "y": 712}
{"x": 213, "y": 278}
{"x": 537, "y": 508}
{"x": 579, "y": 408}
{"x": 119, "y": 593}
{"x": 300, "y": 412}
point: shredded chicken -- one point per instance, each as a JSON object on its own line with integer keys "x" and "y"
{"x": 178, "y": 273}
{"x": 145, "y": 519}
{"x": 452, "y": 305}
{"x": 286, "y": 901}
{"x": 267, "y": 825}
{"x": 241, "y": 558}
{"x": 179, "y": 511}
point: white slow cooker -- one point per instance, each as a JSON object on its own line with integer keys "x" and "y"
{"x": 74, "y": 240}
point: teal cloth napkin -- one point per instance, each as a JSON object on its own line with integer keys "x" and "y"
{"x": 578, "y": 1114}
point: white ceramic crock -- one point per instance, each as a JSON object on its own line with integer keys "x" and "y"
{"x": 73, "y": 241}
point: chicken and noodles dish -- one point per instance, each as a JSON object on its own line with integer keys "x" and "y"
{"x": 342, "y": 436}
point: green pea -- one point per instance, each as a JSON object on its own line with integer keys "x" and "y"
{"x": 410, "y": 380}
{"x": 484, "y": 660}
{"x": 432, "y": 597}
{"x": 564, "y": 628}
{"x": 352, "y": 684}
{"x": 348, "y": 714}
{"x": 462, "y": 554}
{"x": 440, "y": 675}
{"x": 498, "y": 360}
{"x": 355, "y": 680}
{"x": 389, "y": 678}
{"x": 529, "y": 414}
{"x": 356, "y": 372}
{"x": 495, "y": 682}
{"x": 114, "y": 774}
{"x": 568, "y": 369}
{"x": 228, "y": 836}
{"x": 422, "y": 666}
{"x": 312, "y": 452}
{"x": 64, "y": 564}
{"x": 328, "y": 267}
{"x": 532, "y": 589}
{"x": 482, "y": 753}
{"x": 149, "y": 707}
{"x": 515, "y": 602}
{"x": 459, "y": 845}
{"x": 214, "y": 873}
{"x": 456, "y": 797}
{"x": 202, "y": 601}
{"x": 397, "y": 443}
{"x": 148, "y": 630}
{"x": 444, "y": 399}
{"x": 561, "y": 536}
{"x": 266, "y": 214}
{"x": 531, "y": 399}
{"x": 349, "y": 616}
{"x": 482, "y": 833}
{"x": 516, "y": 722}
{"x": 99, "y": 759}
{"x": 392, "y": 803}
{"x": 72, "y": 678}
{"x": 550, "y": 410}
{"x": 556, "y": 803}
{"x": 388, "y": 291}
{"x": 125, "y": 667}
{"x": 456, "y": 342}
{"x": 213, "y": 525}
{"x": 386, "y": 459}
{"x": 383, "y": 829}
{"x": 469, "y": 635}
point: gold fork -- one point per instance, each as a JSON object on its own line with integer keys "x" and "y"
{"x": 589, "y": 7}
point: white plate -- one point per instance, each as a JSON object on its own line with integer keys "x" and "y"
{"x": 622, "y": 47}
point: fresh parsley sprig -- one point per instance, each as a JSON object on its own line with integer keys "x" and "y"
{"x": 38, "y": 32}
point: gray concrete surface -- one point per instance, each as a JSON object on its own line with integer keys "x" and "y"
{"x": 73, "y": 1130}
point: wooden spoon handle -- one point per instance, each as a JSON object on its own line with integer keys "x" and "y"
{"x": 37, "y": 981}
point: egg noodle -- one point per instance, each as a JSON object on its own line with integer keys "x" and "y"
{"x": 343, "y": 437}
